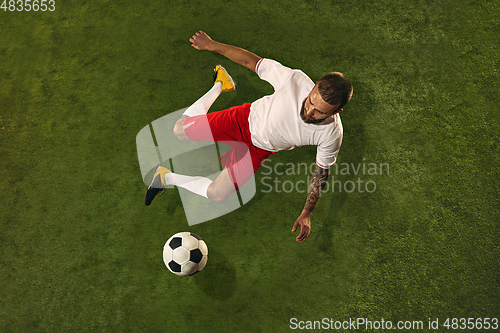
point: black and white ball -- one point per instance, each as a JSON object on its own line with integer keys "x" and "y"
{"x": 185, "y": 254}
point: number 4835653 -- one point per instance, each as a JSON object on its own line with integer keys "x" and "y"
{"x": 28, "y": 5}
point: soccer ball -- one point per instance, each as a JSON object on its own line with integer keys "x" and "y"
{"x": 185, "y": 254}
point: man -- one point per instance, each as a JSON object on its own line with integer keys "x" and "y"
{"x": 298, "y": 113}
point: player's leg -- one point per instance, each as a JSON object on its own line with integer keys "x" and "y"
{"x": 202, "y": 105}
{"x": 240, "y": 162}
{"x": 221, "y": 188}
{"x": 223, "y": 82}
{"x": 218, "y": 190}
{"x": 179, "y": 129}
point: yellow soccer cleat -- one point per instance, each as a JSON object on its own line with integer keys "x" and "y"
{"x": 157, "y": 185}
{"x": 221, "y": 75}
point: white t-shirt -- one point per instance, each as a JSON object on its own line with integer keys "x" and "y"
{"x": 275, "y": 122}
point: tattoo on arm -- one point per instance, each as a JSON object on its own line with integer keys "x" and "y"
{"x": 317, "y": 184}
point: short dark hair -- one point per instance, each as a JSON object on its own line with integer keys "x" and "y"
{"x": 335, "y": 88}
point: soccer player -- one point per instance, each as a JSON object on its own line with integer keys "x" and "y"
{"x": 299, "y": 113}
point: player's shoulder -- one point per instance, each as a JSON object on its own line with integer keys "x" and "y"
{"x": 271, "y": 64}
{"x": 280, "y": 75}
{"x": 267, "y": 64}
{"x": 302, "y": 78}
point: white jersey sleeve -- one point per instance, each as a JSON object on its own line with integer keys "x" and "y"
{"x": 273, "y": 72}
{"x": 327, "y": 150}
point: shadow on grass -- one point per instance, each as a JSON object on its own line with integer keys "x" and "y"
{"x": 218, "y": 279}
{"x": 351, "y": 151}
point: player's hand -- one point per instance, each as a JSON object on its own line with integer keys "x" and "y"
{"x": 304, "y": 221}
{"x": 200, "y": 40}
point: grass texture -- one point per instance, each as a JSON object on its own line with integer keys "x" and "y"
{"x": 79, "y": 251}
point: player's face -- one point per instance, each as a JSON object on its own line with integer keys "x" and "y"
{"x": 315, "y": 109}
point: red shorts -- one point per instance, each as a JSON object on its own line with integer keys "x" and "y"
{"x": 229, "y": 126}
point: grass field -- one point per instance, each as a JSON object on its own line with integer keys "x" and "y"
{"x": 79, "y": 251}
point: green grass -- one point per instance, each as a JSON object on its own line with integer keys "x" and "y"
{"x": 80, "y": 252}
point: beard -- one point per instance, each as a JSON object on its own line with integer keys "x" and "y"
{"x": 305, "y": 118}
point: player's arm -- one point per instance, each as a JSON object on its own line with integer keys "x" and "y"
{"x": 316, "y": 185}
{"x": 201, "y": 41}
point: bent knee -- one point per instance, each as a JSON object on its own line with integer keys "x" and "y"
{"x": 218, "y": 193}
{"x": 179, "y": 130}
{"x": 217, "y": 197}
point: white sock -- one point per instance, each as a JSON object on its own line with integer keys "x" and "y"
{"x": 196, "y": 184}
{"x": 202, "y": 105}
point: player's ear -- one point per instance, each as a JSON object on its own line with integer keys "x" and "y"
{"x": 339, "y": 110}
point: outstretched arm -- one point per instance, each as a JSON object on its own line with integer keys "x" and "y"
{"x": 316, "y": 185}
{"x": 201, "y": 41}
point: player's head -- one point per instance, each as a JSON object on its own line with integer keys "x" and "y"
{"x": 335, "y": 89}
{"x": 329, "y": 95}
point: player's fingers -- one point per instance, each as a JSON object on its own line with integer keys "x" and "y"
{"x": 301, "y": 234}
{"x": 295, "y": 226}
{"x": 306, "y": 233}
